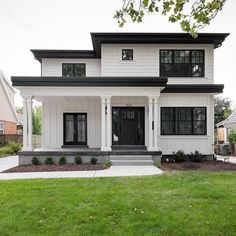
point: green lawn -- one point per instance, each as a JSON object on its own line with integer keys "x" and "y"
{"x": 181, "y": 203}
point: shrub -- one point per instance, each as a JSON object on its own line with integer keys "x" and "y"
{"x": 49, "y": 161}
{"x": 78, "y": 160}
{"x": 196, "y": 157}
{"x": 93, "y": 160}
{"x": 232, "y": 137}
{"x": 15, "y": 147}
{"x": 62, "y": 161}
{"x": 35, "y": 161}
{"x": 107, "y": 163}
{"x": 180, "y": 156}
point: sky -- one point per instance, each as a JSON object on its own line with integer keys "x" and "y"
{"x": 66, "y": 24}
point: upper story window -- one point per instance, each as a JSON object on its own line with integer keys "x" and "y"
{"x": 182, "y": 63}
{"x": 127, "y": 54}
{"x": 1, "y": 127}
{"x": 73, "y": 70}
{"x": 183, "y": 121}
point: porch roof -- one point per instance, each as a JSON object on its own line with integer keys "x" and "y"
{"x": 90, "y": 81}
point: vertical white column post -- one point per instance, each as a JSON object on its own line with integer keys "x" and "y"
{"x": 30, "y": 129}
{"x": 103, "y": 123}
{"x": 150, "y": 133}
{"x": 108, "y": 146}
{"x": 25, "y": 124}
{"x": 155, "y": 123}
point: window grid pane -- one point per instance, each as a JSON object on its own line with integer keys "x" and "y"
{"x": 127, "y": 54}
{"x": 182, "y": 63}
{"x": 183, "y": 120}
{"x": 74, "y": 70}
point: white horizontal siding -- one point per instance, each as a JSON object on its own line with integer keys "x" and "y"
{"x": 189, "y": 143}
{"x": 53, "y": 67}
{"x": 53, "y": 109}
{"x": 146, "y": 61}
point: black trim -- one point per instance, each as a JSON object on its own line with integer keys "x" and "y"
{"x": 45, "y": 53}
{"x": 134, "y": 38}
{"x": 193, "y": 88}
{"x": 90, "y": 81}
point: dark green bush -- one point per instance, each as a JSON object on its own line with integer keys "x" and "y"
{"x": 62, "y": 161}
{"x": 78, "y": 160}
{"x": 49, "y": 161}
{"x": 15, "y": 147}
{"x": 35, "y": 161}
{"x": 93, "y": 160}
{"x": 107, "y": 163}
{"x": 196, "y": 157}
{"x": 180, "y": 156}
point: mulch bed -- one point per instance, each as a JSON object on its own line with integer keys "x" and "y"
{"x": 205, "y": 166}
{"x": 66, "y": 167}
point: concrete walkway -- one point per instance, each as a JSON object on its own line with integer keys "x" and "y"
{"x": 113, "y": 171}
{"x": 232, "y": 159}
{"x": 8, "y": 162}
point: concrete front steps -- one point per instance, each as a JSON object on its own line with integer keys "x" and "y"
{"x": 134, "y": 160}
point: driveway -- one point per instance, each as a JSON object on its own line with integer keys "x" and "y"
{"x": 8, "y": 162}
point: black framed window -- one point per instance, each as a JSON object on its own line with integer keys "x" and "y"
{"x": 183, "y": 121}
{"x": 73, "y": 70}
{"x": 75, "y": 128}
{"x": 182, "y": 63}
{"x": 127, "y": 54}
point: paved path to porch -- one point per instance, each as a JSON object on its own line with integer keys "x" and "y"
{"x": 113, "y": 171}
{"x": 8, "y": 162}
{"x": 232, "y": 159}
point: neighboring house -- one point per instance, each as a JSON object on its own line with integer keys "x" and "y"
{"x": 8, "y": 116}
{"x": 148, "y": 93}
{"x": 224, "y": 127}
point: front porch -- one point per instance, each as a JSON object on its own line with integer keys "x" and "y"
{"x": 25, "y": 157}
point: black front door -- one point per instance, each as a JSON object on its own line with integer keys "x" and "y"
{"x": 75, "y": 128}
{"x": 127, "y": 126}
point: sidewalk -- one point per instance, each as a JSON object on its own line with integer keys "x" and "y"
{"x": 113, "y": 171}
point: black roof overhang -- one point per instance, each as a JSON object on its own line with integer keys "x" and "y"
{"x": 135, "y": 38}
{"x": 193, "y": 88}
{"x": 90, "y": 81}
{"x": 155, "y": 38}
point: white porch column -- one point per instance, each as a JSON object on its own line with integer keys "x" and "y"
{"x": 150, "y": 119}
{"x": 30, "y": 129}
{"x": 25, "y": 124}
{"x": 108, "y": 106}
{"x": 103, "y": 124}
{"x": 155, "y": 123}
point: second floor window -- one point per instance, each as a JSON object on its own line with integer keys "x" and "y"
{"x": 73, "y": 70}
{"x": 127, "y": 54}
{"x": 182, "y": 63}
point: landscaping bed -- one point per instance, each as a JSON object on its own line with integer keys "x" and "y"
{"x": 205, "y": 166}
{"x": 56, "y": 167}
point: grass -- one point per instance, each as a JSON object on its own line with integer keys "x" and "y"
{"x": 179, "y": 203}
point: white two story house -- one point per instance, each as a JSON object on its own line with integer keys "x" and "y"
{"x": 143, "y": 93}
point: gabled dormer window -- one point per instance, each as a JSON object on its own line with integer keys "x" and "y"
{"x": 127, "y": 54}
{"x": 182, "y": 63}
{"x": 73, "y": 70}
